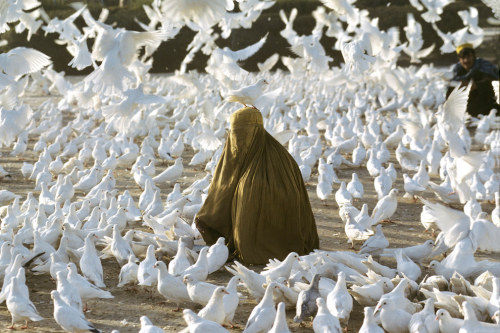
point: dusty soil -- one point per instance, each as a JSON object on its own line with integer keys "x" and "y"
{"x": 122, "y": 313}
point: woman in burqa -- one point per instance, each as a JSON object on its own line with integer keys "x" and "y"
{"x": 257, "y": 199}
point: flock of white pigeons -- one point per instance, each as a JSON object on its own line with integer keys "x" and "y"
{"x": 122, "y": 120}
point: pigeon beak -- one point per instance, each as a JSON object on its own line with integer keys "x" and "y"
{"x": 225, "y": 292}
{"x": 376, "y": 310}
{"x": 437, "y": 318}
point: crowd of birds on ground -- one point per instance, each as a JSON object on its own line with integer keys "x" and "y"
{"x": 122, "y": 118}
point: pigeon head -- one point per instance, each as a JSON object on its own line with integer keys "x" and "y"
{"x": 496, "y": 317}
{"x": 380, "y": 305}
{"x": 320, "y": 302}
{"x": 434, "y": 264}
{"x": 262, "y": 82}
{"x": 441, "y": 314}
{"x": 189, "y": 315}
{"x": 429, "y": 243}
{"x": 158, "y": 264}
{"x": 221, "y": 290}
{"x": 188, "y": 278}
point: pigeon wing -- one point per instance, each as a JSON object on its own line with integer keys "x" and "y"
{"x": 454, "y": 108}
{"x": 248, "y": 51}
{"x": 446, "y": 218}
{"x": 485, "y": 235}
{"x": 22, "y": 60}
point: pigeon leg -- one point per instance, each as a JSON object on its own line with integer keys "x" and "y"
{"x": 230, "y": 325}
{"x": 25, "y": 325}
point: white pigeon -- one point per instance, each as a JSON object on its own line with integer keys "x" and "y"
{"x": 362, "y": 217}
{"x": 342, "y": 195}
{"x": 199, "y": 291}
{"x": 385, "y": 207}
{"x": 179, "y": 264}
{"x": 416, "y": 253}
{"x": 19, "y": 304}
{"x": 369, "y": 294}
{"x": 406, "y": 266}
{"x": 324, "y": 188}
{"x": 382, "y": 183}
{"x": 472, "y": 324}
{"x": 280, "y": 325}
{"x": 247, "y": 95}
{"x": 119, "y": 247}
{"x": 148, "y": 327}
{"x": 280, "y": 269}
{"x": 87, "y": 290}
{"x": 68, "y": 292}
{"x": 262, "y": 316}
{"x": 375, "y": 244}
{"x": 201, "y": 13}
{"x": 170, "y": 174}
{"x": 20, "y": 61}
{"x": 146, "y": 274}
{"x": 448, "y": 324}
{"x": 412, "y": 187}
{"x": 339, "y": 301}
{"x": 324, "y": 320}
{"x": 196, "y": 324}
{"x": 90, "y": 264}
{"x": 217, "y": 255}
{"x": 171, "y": 287}
{"x": 6, "y": 197}
{"x": 393, "y": 318}
{"x": 199, "y": 270}
{"x": 214, "y": 310}
{"x": 369, "y": 323}
{"x": 69, "y": 318}
{"x": 252, "y": 280}
{"x": 128, "y": 272}
{"x": 358, "y": 155}
{"x": 355, "y": 187}
{"x": 354, "y": 230}
{"x": 425, "y": 319}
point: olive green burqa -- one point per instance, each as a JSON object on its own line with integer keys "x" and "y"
{"x": 257, "y": 199}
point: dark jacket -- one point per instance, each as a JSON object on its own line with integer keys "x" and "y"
{"x": 482, "y": 99}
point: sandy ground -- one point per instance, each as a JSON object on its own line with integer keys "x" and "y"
{"x": 122, "y": 313}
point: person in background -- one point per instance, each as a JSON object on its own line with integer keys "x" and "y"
{"x": 480, "y": 73}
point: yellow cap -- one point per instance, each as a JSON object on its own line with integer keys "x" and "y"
{"x": 464, "y": 46}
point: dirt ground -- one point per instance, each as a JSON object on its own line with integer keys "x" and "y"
{"x": 123, "y": 312}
